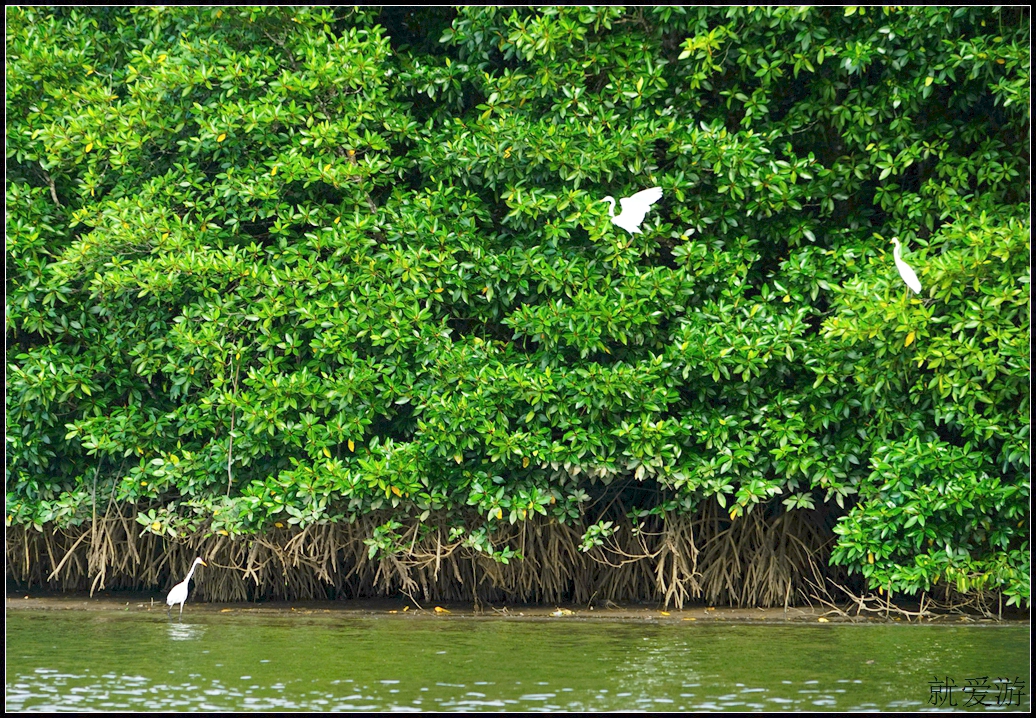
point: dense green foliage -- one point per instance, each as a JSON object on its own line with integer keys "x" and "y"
{"x": 291, "y": 265}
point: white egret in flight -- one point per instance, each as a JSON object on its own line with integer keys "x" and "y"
{"x": 178, "y": 594}
{"x": 633, "y": 208}
{"x": 905, "y": 271}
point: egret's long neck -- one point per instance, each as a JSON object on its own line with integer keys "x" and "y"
{"x": 896, "y": 253}
{"x": 611, "y": 206}
{"x": 190, "y": 573}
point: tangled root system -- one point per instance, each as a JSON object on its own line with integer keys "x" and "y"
{"x": 766, "y": 558}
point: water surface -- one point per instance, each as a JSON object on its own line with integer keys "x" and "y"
{"x": 103, "y": 661}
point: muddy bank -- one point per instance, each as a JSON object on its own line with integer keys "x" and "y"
{"x": 401, "y": 609}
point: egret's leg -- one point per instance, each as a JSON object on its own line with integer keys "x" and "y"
{"x": 181, "y": 611}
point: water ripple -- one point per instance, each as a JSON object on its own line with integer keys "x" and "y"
{"x": 139, "y": 664}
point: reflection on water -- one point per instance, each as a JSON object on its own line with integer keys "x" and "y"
{"x": 185, "y": 631}
{"x": 137, "y": 662}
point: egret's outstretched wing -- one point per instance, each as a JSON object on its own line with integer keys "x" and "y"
{"x": 646, "y": 197}
{"x": 634, "y": 208}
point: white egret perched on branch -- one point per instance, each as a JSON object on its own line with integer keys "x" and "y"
{"x": 633, "y": 208}
{"x": 905, "y": 271}
{"x": 178, "y": 594}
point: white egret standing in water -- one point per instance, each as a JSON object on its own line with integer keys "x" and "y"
{"x": 178, "y": 594}
{"x": 905, "y": 271}
{"x": 633, "y": 208}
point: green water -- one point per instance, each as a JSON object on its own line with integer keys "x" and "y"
{"x": 103, "y": 661}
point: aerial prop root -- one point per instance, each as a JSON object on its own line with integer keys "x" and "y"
{"x": 762, "y": 558}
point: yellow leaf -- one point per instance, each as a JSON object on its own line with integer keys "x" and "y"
{"x": 156, "y": 526}
{"x": 222, "y": 532}
{"x": 327, "y": 453}
{"x": 273, "y": 171}
{"x": 396, "y": 491}
{"x": 143, "y": 483}
{"x": 439, "y": 609}
{"x": 664, "y": 613}
{"x": 174, "y": 459}
{"x": 279, "y": 525}
{"x": 458, "y": 458}
{"x": 352, "y": 445}
{"x": 438, "y": 291}
{"x": 525, "y": 462}
{"x": 500, "y": 513}
{"x": 928, "y": 81}
{"x": 337, "y": 220}
{"x": 909, "y": 339}
{"x": 393, "y": 611}
{"x": 870, "y": 558}
{"x": 822, "y": 620}
{"x": 221, "y": 137}
{"x": 690, "y": 619}
{"x": 161, "y": 58}
{"x": 90, "y": 146}
{"x": 406, "y": 608}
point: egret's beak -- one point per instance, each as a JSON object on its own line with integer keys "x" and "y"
{"x": 204, "y": 564}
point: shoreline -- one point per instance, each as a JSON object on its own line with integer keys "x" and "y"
{"x": 402, "y": 608}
